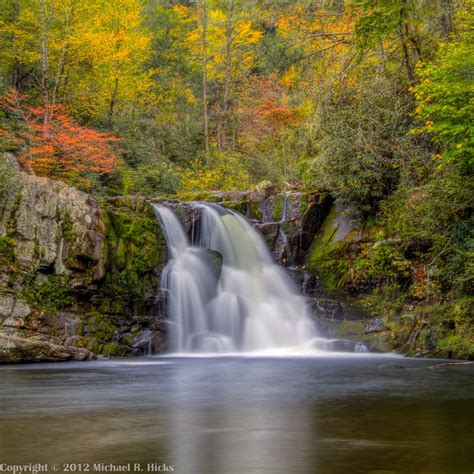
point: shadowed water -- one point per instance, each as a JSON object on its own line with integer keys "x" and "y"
{"x": 328, "y": 414}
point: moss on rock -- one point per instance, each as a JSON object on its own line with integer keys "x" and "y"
{"x": 134, "y": 249}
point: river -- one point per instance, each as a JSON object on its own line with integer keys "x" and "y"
{"x": 353, "y": 413}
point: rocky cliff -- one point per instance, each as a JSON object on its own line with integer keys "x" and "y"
{"x": 391, "y": 284}
{"x": 367, "y": 291}
{"x": 78, "y": 277}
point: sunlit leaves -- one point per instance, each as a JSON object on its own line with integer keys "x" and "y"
{"x": 445, "y": 97}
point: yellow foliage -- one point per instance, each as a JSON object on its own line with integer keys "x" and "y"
{"x": 224, "y": 173}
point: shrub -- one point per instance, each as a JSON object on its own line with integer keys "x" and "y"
{"x": 363, "y": 145}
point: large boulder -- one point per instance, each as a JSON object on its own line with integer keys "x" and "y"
{"x": 38, "y": 348}
{"x": 58, "y": 225}
{"x": 82, "y": 271}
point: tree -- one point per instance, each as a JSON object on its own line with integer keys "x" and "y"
{"x": 59, "y": 146}
{"x": 230, "y": 37}
{"x": 363, "y": 147}
{"x": 445, "y": 95}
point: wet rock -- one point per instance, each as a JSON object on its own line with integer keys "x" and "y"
{"x": 142, "y": 342}
{"x": 339, "y": 345}
{"x": 376, "y": 325}
{"x": 269, "y": 232}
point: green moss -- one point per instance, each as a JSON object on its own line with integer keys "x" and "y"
{"x": 437, "y": 329}
{"x": 254, "y": 211}
{"x": 114, "y": 349}
{"x": 306, "y": 201}
{"x": 7, "y": 250}
{"x": 347, "y": 329}
{"x": 99, "y": 335}
{"x": 134, "y": 247}
{"x": 45, "y": 291}
{"x": 191, "y": 196}
{"x": 67, "y": 227}
{"x": 278, "y": 206}
{"x": 329, "y": 258}
{"x": 239, "y": 206}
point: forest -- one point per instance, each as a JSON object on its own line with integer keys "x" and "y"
{"x": 237, "y": 236}
{"x": 371, "y": 101}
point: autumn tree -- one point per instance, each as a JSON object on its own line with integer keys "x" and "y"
{"x": 59, "y": 146}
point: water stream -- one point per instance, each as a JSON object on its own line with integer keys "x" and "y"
{"x": 329, "y": 413}
{"x": 246, "y": 304}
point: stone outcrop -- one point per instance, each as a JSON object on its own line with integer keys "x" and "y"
{"x": 78, "y": 277}
{"x": 54, "y": 225}
{"x": 370, "y": 268}
{"x": 287, "y": 221}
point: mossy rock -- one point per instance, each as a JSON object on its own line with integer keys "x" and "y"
{"x": 254, "y": 211}
{"x": 134, "y": 248}
{"x": 240, "y": 207}
{"x": 7, "y": 250}
{"x": 437, "y": 329}
{"x": 278, "y": 205}
{"x": 329, "y": 257}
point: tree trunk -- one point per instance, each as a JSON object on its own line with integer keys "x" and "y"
{"x": 16, "y": 64}
{"x": 204, "y": 74}
{"x": 69, "y": 13}
{"x": 229, "y": 37}
{"x": 113, "y": 100}
{"x": 45, "y": 16}
{"x": 447, "y": 18}
{"x": 403, "y": 41}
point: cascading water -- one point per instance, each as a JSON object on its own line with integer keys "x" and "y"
{"x": 250, "y": 304}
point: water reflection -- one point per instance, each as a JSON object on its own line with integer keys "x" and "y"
{"x": 236, "y": 415}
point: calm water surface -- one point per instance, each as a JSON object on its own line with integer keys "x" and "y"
{"x": 331, "y": 414}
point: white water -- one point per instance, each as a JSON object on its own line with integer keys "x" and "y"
{"x": 251, "y": 306}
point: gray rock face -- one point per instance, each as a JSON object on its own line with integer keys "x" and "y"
{"x": 376, "y": 325}
{"x": 52, "y": 224}
{"x": 15, "y": 349}
{"x": 13, "y": 311}
{"x": 57, "y": 224}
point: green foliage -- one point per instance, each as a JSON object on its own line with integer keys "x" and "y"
{"x": 377, "y": 20}
{"x": 363, "y": 146}
{"x": 7, "y": 250}
{"x": 152, "y": 179}
{"x": 222, "y": 172}
{"x": 376, "y": 264}
{"x": 436, "y": 218}
{"x": 45, "y": 291}
{"x": 445, "y": 96}
{"x": 385, "y": 301}
{"x": 439, "y": 329}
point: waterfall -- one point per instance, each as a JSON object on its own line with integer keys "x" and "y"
{"x": 285, "y": 208}
{"x": 246, "y": 304}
